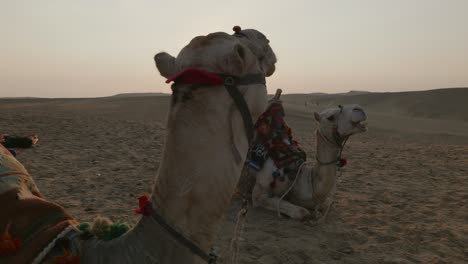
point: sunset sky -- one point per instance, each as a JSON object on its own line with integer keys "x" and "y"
{"x": 90, "y": 48}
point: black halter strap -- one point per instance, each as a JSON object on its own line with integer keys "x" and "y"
{"x": 209, "y": 258}
{"x": 231, "y": 83}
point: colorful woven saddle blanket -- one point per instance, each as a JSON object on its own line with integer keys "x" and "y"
{"x": 28, "y": 222}
{"x": 274, "y": 140}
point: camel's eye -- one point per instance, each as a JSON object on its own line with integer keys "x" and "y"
{"x": 331, "y": 118}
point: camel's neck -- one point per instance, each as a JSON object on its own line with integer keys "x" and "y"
{"x": 325, "y": 168}
{"x": 200, "y": 168}
{"x": 204, "y": 152}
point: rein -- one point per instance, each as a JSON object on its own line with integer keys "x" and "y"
{"x": 209, "y": 258}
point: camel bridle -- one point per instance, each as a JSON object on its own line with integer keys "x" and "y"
{"x": 337, "y": 141}
{"x": 230, "y": 82}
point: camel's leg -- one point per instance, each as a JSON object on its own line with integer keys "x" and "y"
{"x": 261, "y": 194}
{"x": 260, "y": 198}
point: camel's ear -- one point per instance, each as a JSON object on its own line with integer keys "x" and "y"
{"x": 236, "y": 60}
{"x": 317, "y": 116}
{"x": 165, "y": 64}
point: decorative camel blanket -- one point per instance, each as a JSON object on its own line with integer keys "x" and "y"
{"x": 28, "y": 222}
{"x": 274, "y": 140}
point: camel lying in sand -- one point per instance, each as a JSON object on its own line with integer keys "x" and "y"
{"x": 310, "y": 189}
{"x": 204, "y": 152}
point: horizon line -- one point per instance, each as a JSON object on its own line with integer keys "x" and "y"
{"x": 141, "y": 94}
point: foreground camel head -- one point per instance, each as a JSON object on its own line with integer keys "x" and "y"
{"x": 221, "y": 53}
{"x": 343, "y": 121}
{"x": 208, "y": 132}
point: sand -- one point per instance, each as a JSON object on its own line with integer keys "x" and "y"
{"x": 402, "y": 198}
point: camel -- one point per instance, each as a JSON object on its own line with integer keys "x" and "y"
{"x": 218, "y": 80}
{"x": 309, "y": 192}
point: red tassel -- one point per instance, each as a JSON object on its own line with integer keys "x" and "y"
{"x": 342, "y": 162}
{"x": 67, "y": 258}
{"x": 144, "y": 205}
{"x": 8, "y": 245}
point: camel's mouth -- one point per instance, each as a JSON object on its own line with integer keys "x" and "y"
{"x": 358, "y": 118}
{"x": 360, "y": 125}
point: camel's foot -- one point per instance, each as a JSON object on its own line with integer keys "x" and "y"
{"x": 301, "y": 214}
{"x": 319, "y": 216}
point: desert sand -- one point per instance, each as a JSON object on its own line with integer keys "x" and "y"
{"x": 401, "y": 199}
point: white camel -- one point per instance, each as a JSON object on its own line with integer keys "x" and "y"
{"x": 309, "y": 193}
{"x": 204, "y": 152}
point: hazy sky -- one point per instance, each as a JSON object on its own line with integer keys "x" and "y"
{"x": 90, "y": 48}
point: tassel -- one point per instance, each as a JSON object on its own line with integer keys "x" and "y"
{"x": 8, "y": 245}
{"x": 145, "y": 207}
{"x": 342, "y": 162}
{"x": 67, "y": 258}
{"x": 103, "y": 229}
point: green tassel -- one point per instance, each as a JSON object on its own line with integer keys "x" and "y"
{"x": 116, "y": 230}
{"x": 85, "y": 230}
{"x": 103, "y": 229}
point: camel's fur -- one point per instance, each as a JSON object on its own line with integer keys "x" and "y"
{"x": 314, "y": 187}
{"x": 204, "y": 152}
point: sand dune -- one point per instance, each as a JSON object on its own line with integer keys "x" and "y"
{"x": 441, "y": 103}
{"x": 401, "y": 199}
{"x": 140, "y": 94}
